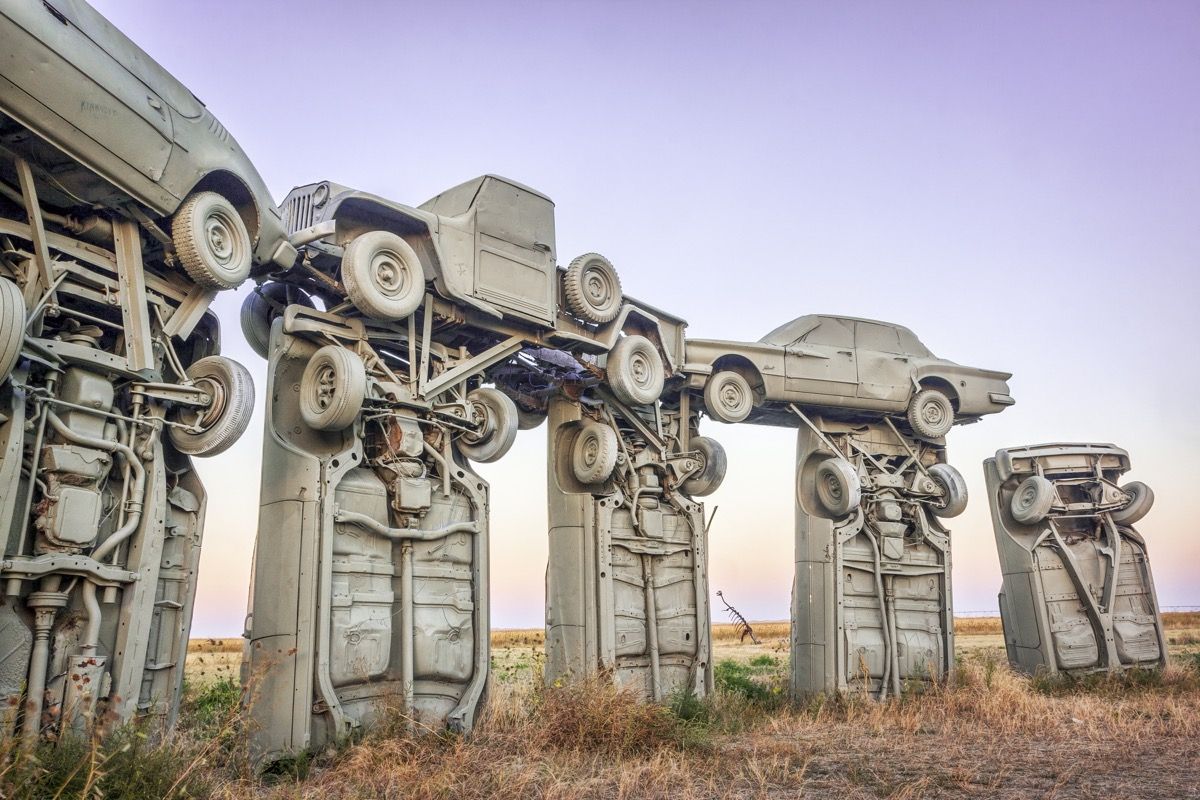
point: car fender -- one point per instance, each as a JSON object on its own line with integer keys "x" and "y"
{"x": 632, "y": 319}
{"x": 970, "y": 388}
{"x": 767, "y": 360}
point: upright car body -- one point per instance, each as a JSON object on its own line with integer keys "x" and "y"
{"x": 845, "y": 363}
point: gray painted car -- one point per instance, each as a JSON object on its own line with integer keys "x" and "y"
{"x": 480, "y": 255}
{"x": 106, "y": 126}
{"x": 1078, "y": 594}
{"x": 846, "y": 363}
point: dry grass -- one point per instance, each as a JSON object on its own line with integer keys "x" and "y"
{"x": 986, "y": 733}
{"x": 989, "y": 733}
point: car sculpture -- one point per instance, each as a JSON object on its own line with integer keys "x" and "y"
{"x": 844, "y": 363}
{"x": 105, "y": 126}
{"x": 1078, "y": 594}
{"x": 481, "y": 257}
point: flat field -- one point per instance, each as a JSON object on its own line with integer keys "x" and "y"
{"x": 985, "y": 733}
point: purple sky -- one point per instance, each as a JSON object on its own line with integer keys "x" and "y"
{"x": 1017, "y": 182}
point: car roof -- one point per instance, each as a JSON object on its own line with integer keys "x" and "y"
{"x": 802, "y": 325}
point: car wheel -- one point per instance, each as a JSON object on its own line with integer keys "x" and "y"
{"x": 1140, "y": 503}
{"x": 592, "y": 288}
{"x": 1032, "y": 500}
{"x": 262, "y": 307}
{"x": 931, "y": 414}
{"x": 332, "y": 388}
{"x": 635, "y": 371}
{"x": 12, "y": 326}
{"x": 383, "y": 276}
{"x": 214, "y": 429}
{"x": 728, "y": 396}
{"x": 838, "y": 487}
{"x": 211, "y": 241}
{"x": 497, "y": 415}
{"x": 713, "y": 464}
{"x": 594, "y": 453}
{"x": 953, "y": 499}
{"x": 528, "y": 419}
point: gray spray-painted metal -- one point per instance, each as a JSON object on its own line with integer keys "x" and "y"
{"x": 101, "y": 401}
{"x": 843, "y": 365}
{"x": 485, "y": 252}
{"x": 460, "y": 292}
{"x": 112, "y": 126}
{"x": 369, "y": 595}
{"x": 626, "y": 580}
{"x": 119, "y": 194}
{"x": 1078, "y": 595}
{"x": 871, "y": 601}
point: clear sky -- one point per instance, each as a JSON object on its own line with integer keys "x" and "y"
{"x": 1019, "y": 183}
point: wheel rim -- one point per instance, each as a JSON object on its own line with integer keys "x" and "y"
{"x": 640, "y": 370}
{"x": 597, "y": 287}
{"x": 487, "y": 424}
{"x": 325, "y": 390}
{"x": 732, "y": 397}
{"x": 220, "y": 237}
{"x": 589, "y": 451}
{"x": 203, "y": 418}
{"x": 933, "y": 414}
{"x": 389, "y": 274}
{"x": 833, "y": 490}
{"x": 1027, "y": 497}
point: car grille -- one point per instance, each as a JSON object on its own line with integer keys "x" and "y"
{"x": 299, "y": 213}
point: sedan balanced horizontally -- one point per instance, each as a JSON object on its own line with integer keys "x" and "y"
{"x": 846, "y": 363}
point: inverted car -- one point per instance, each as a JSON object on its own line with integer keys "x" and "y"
{"x": 480, "y": 255}
{"x": 104, "y": 126}
{"x": 845, "y": 363}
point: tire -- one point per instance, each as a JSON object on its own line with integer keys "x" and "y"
{"x": 211, "y": 241}
{"x": 332, "y": 389}
{"x": 383, "y": 276}
{"x": 954, "y": 491}
{"x": 711, "y": 473}
{"x": 635, "y": 371}
{"x": 262, "y": 306}
{"x": 1139, "y": 506}
{"x": 1032, "y": 500}
{"x": 931, "y": 414}
{"x": 12, "y": 326}
{"x": 528, "y": 420}
{"x": 594, "y": 453}
{"x": 224, "y": 422}
{"x": 838, "y": 487}
{"x": 728, "y": 397}
{"x": 593, "y": 289}
{"x": 498, "y": 426}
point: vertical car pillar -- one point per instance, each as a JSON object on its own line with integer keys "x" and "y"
{"x": 369, "y": 596}
{"x": 871, "y": 600}
{"x": 626, "y": 581}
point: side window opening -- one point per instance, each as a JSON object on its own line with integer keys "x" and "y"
{"x": 831, "y": 333}
{"x": 911, "y": 344}
{"x": 877, "y": 337}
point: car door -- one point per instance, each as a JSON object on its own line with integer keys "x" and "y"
{"x": 883, "y": 368}
{"x": 821, "y": 365}
{"x": 515, "y": 264}
{"x": 59, "y": 56}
